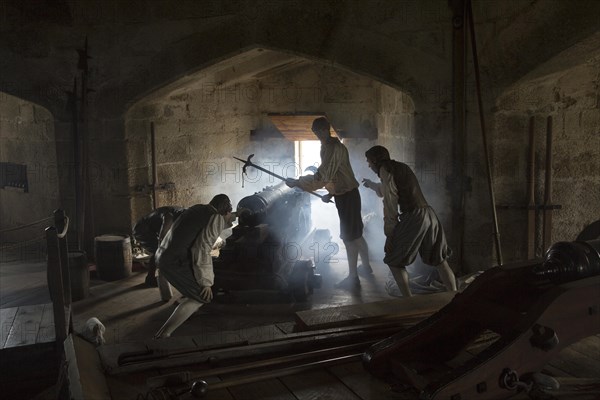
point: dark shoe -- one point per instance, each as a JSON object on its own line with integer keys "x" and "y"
{"x": 348, "y": 283}
{"x": 364, "y": 270}
{"x": 151, "y": 281}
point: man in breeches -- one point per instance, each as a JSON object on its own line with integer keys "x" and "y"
{"x": 410, "y": 224}
{"x": 184, "y": 256}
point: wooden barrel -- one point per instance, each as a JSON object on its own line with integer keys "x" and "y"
{"x": 113, "y": 257}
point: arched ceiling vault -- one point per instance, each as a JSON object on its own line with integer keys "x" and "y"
{"x": 406, "y": 45}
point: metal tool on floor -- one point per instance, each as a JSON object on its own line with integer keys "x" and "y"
{"x": 183, "y": 382}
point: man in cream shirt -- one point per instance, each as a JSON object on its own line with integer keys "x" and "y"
{"x": 335, "y": 174}
{"x": 184, "y": 258}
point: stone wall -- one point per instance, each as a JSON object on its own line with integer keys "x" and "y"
{"x": 27, "y": 138}
{"x": 199, "y": 131}
{"x": 572, "y": 98}
{"x": 139, "y": 51}
{"x": 197, "y": 134}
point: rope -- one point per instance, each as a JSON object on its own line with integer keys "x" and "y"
{"x": 26, "y": 225}
{"x": 66, "y": 228}
{"x": 21, "y": 244}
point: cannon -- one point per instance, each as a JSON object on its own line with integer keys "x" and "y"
{"x": 531, "y": 310}
{"x": 265, "y": 248}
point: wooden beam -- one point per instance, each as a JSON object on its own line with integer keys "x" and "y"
{"x": 410, "y": 309}
{"x": 296, "y": 126}
{"x": 86, "y": 375}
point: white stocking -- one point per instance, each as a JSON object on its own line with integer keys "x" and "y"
{"x": 183, "y": 311}
{"x": 447, "y": 276}
{"x": 363, "y": 250}
{"x": 401, "y": 277}
{"x": 352, "y": 254}
{"x": 164, "y": 287}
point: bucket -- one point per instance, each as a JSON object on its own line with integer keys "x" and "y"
{"x": 113, "y": 257}
{"x": 79, "y": 274}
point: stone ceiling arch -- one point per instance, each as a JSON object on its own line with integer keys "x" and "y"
{"x": 394, "y": 66}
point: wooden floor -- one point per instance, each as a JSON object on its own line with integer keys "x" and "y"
{"x": 26, "y": 325}
{"x": 133, "y": 313}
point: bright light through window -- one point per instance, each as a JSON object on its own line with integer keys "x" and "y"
{"x": 307, "y": 154}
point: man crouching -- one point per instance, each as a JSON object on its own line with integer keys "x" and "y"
{"x": 184, "y": 259}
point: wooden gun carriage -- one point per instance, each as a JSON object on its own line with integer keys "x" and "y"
{"x": 265, "y": 248}
{"x": 533, "y": 310}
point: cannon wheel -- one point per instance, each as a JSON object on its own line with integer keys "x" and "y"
{"x": 300, "y": 278}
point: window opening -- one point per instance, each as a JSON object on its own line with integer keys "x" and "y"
{"x": 307, "y": 154}
{"x": 13, "y": 176}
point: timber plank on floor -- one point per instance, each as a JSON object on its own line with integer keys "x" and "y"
{"x": 25, "y": 327}
{"x": 218, "y": 394}
{"x": 366, "y": 386}
{"x": 85, "y": 372}
{"x": 7, "y": 317}
{"x": 47, "y": 332}
{"x": 318, "y": 384}
{"x": 576, "y": 364}
{"x": 410, "y": 309}
{"x": 271, "y": 389}
{"x": 24, "y": 284}
{"x": 589, "y": 346}
{"x": 578, "y": 389}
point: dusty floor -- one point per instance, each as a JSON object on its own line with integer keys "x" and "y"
{"x": 132, "y": 311}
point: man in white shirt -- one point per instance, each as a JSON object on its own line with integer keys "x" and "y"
{"x": 410, "y": 224}
{"x": 150, "y": 230}
{"x": 336, "y": 175}
{"x": 184, "y": 256}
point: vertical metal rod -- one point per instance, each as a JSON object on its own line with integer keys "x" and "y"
{"x": 153, "y": 166}
{"x": 87, "y": 220}
{"x": 548, "y": 187}
{"x": 459, "y": 124}
{"x": 531, "y": 192}
{"x": 483, "y": 132}
{"x": 83, "y": 132}
{"x": 77, "y": 160}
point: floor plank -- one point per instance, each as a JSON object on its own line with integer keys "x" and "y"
{"x": 419, "y": 306}
{"x": 132, "y": 313}
{"x": 23, "y": 284}
{"x": 318, "y": 384}
{"x": 26, "y": 325}
{"x": 589, "y": 346}
{"x": 218, "y": 394}
{"x": 7, "y": 317}
{"x": 46, "y": 333}
{"x": 576, "y": 364}
{"x": 271, "y": 389}
{"x": 366, "y": 386}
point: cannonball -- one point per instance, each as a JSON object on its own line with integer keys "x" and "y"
{"x": 199, "y": 389}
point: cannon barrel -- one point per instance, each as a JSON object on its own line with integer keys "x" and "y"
{"x": 568, "y": 261}
{"x": 257, "y": 207}
{"x": 255, "y": 255}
